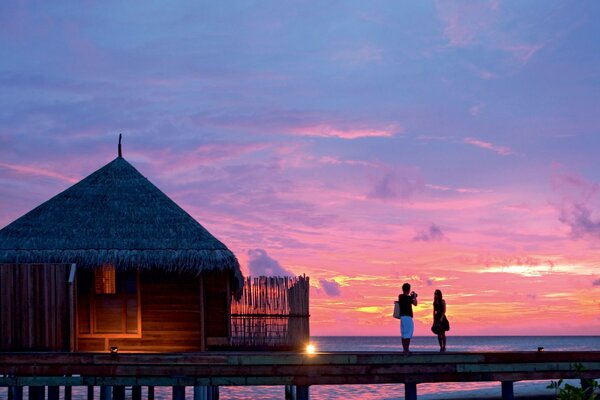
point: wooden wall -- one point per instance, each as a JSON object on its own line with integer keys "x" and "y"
{"x": 171, "y": 314}
{"x": 35, "y": 307}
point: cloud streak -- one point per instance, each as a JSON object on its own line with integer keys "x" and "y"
{"x": 501, "y": 150}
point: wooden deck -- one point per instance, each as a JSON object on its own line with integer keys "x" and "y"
{"x": 297, "y": 369}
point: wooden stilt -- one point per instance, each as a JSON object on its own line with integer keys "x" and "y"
{"x": 178, "y": 392}
{"x": 136, "y": 393}
{"x": 118, "y": 392}
{"x": 410, "y": 391}
{"x": 15, "y": 393}
{"x": 53, "y": 393}
{"x": 105, "y": 392}
{"x": 90, "y": 390}
{"x": 507, "y": 391}
{"x": 37, "y": 392}
{"x": 68, "y": 392}
{"x": 150, "y": 392}
{"x": 302, "y": 392}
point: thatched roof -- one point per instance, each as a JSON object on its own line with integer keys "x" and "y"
{"x": 116, "y": 216}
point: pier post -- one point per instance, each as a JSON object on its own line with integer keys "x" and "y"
{"x": 410, "y": 391}
{"x": 105, "y": 392}
{"x": 90, "y": 393}
{"x": 37, "y": 392}
{"x": 507, "y": 390}
{"x": 53, "y": 393}
{"x": 150, "y": 392}
{"x": 178, "y": 392}
{"x": 15, "y": 393}
{"x": 118, "y": 392}
{"x": 68, "y": 392}
{"x": 206, "y": 393}
{"x": 136, "y": 393}
{"x": 302, "y": 392}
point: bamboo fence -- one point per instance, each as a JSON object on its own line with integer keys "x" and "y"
{"x": 272, "y": 312}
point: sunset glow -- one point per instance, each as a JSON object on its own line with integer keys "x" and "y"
{"x": 452, "y": 147}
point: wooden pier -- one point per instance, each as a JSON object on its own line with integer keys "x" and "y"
{"x": 296, "y": 371}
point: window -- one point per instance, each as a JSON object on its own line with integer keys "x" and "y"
{"x": 105, "y": 280}
{"x": 109, "y": 303}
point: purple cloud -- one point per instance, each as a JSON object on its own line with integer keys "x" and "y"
{"x": 396, "y": 184}
{"x": 331, "y": 288}
{"x": 433, "y": 234}
{"x": 596, "y": 282}
{"x": 261, "y": 264}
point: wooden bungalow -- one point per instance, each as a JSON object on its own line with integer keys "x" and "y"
{"x": 112, "y": 262}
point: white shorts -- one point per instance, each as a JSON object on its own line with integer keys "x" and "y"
{"x": 407, "y": 327}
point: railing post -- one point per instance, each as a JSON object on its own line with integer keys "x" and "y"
{"x": 150, "y": 392}
{"x": 507, "y": 390}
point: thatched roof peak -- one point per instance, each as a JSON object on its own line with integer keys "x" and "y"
{"x": 115, "y": 215}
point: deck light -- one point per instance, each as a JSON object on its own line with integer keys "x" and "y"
{"x": 310, "y": 349}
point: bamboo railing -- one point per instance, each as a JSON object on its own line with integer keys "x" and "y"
{"x": 272, "y": 312}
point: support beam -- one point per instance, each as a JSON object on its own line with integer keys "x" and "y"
{"x": 410, "y": 391}
{"x": 507, "y": 391}
{"x": 90, "y": 390}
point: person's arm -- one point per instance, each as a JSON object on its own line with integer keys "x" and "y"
{"x": 414, "y": 301}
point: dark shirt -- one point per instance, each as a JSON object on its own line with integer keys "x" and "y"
{"x": 405, "y": 305}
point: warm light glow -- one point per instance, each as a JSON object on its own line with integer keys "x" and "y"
{"x": 310, "y": 349}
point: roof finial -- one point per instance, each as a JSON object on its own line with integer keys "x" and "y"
{"x": 120, "y": 153}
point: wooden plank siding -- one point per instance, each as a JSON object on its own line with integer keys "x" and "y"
{"x": 170, "y": 317}
{"x": 34, "y": 307}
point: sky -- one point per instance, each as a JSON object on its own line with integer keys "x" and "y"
{"x": 451, "y": 145}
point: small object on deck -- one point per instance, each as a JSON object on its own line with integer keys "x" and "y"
{"x": 540, "y": 348}
{"x": 114, "y": 349}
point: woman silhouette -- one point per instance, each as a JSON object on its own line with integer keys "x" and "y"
{"x": 440, "y": 322}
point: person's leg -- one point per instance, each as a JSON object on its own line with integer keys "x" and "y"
{"x": 444, "y": 341}
{"x": 405, "y": 344}
{"x": 441, "y": 342}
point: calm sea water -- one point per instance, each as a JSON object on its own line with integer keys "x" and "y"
{"x": 459, "y": 390}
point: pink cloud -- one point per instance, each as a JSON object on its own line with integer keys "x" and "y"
{"x": 523, "y": 52}
{"x": 325, "y": 130}
{"x": 503, "y": 151}
{"x": 361, "y": 55}
{"x": 29, "y": 170}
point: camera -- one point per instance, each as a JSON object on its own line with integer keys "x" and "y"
{"x": 413, "y": 294}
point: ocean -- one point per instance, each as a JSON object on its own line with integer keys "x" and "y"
{"x": 426, "y": 391}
